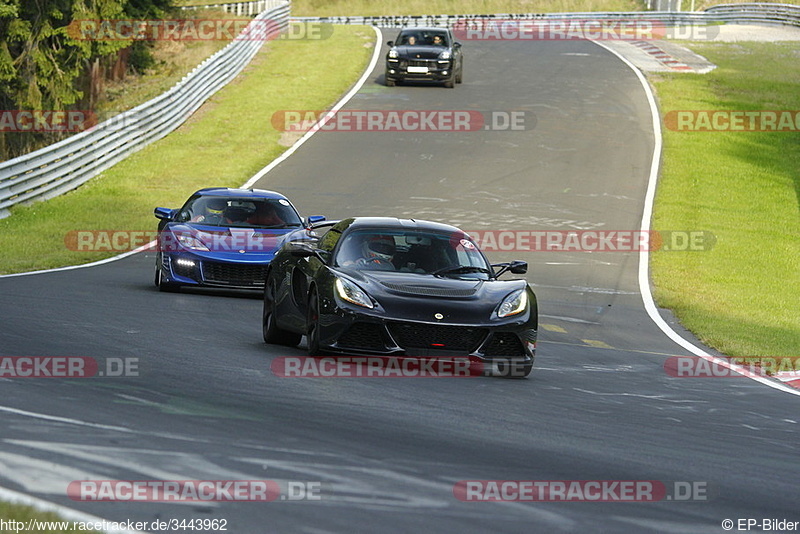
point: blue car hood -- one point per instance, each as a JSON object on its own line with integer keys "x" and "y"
{"x": 256, "y": 244}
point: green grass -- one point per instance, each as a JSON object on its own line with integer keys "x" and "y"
{"x": 25, "y": 513}
{"x": 741, "y": 297}
{"x": 223, "y": 144}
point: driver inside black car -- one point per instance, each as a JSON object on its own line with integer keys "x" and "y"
{"x": 374, "y": 252}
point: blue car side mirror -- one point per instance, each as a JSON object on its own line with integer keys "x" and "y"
{"x": 164, "y": 214}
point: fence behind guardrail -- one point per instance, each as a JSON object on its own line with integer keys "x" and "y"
{"x": 785, "y": 14}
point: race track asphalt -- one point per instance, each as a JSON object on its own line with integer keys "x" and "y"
{"x": 387, "y": 452}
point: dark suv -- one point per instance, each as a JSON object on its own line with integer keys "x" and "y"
{"x": 424, "y": 54}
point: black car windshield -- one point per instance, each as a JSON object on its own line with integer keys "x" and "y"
{"x": 423, "y": 38}
{"x": 412, "y": 251}
{"x": 239, "y": 212}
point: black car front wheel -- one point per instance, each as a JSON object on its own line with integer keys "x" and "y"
{"x": 312, "y": 324}
{"x": 389, "y": 81}
{"x": 272, "y": 334}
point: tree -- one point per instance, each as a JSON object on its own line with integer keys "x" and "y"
{"x": 41, "y": 63}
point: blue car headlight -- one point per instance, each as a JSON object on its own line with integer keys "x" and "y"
{"x": 350, "y": 292}
{"x": 191, "y": 242}
{"x": 514, "y": 303}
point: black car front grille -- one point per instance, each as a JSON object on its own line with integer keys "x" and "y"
{"x": 418, "y": 335}
{"x": 234, "y": 274}
{"x": 366, "y": 336}
{"x": 504, "y": 344}
{"x": 430, "y": 291}
{"x": 430, "y": 63}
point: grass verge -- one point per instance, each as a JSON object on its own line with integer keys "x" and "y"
{"x": 223, "y": 144}
{"x": 741, "y": 296}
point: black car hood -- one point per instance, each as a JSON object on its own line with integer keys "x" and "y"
{"x": 421, "y": 52}
{"x": 419, "y": 297}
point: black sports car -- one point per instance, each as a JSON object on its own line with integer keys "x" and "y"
{"x": 400, "y": 287}
{"x": 424, "y": 54}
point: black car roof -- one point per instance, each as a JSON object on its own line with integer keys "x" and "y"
{"x": 394, "y": 222}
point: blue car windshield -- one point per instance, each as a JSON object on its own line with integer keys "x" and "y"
{"x": 412, "y": 251}
{"x": 239, "y": 212}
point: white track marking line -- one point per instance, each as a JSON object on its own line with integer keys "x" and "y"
{"x": 644, "y": 255}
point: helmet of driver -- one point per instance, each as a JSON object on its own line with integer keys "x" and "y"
{"x": 380, "y": 247}
{"x": 216, "y": 206}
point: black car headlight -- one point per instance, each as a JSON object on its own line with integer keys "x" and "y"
{"x": 393, "y": 54}
{"x": 445, "y": 55}
{"x": 350, "y": 292}
{"x": 514, "y": 303}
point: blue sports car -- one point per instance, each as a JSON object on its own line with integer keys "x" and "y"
{"x": 223, "y": 238}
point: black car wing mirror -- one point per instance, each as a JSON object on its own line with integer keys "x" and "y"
{"x": 514, "y": 267}
{"x": 390, "y": 43}
{"x": 304, "y": 250}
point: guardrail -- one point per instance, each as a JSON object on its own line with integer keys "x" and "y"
{"x": 240, "y": 8}
{"x": 785, "y": 14}
{"x": 63, "y": 166}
